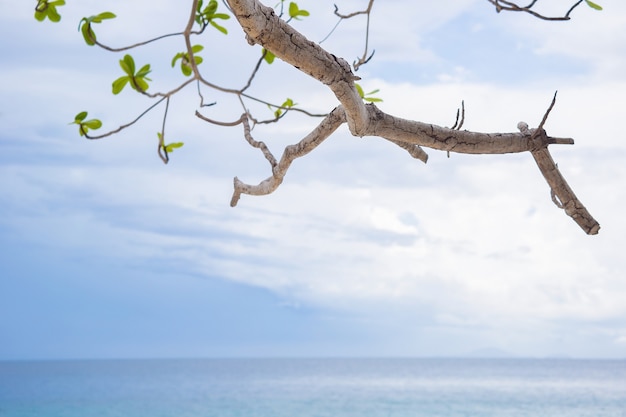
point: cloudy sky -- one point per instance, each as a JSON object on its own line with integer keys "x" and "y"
{"x": 107, "y": 252}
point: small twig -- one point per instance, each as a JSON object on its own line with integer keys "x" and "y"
{"x": 164, "y": 156}
{"x": 573, "y": 7}
{"x": 122, "y": 127}
{"x": 457, "y": 125}
{"x": 366, "y": 56}
{"x": 202, "y": 97}
{"x": 513, "y": 7}
{"x": 547, "y": 113}
{"x": 257, "y": 144}
{"x": 138, "y": 44}
{"x": 217, "y": 122}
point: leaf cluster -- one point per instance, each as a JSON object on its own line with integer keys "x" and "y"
{"x": 185, "y": 60}
{"x": 170, "y": 146}
{"x": 85, "y": 26}
{"x": 85, "y": 125}
{"x": 138, "y": 80}
{"x": 208, "y": 15}
{"x": 47, "y": 8}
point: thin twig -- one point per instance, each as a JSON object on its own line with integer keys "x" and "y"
{"x": 513, "y": 7}
{"x": 122, "y": 127}
{"x": 164, "y": 156}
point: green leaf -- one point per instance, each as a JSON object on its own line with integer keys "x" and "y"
{"x": 268, "y": 56}
{"x": 80, "y": 117}
{"x": 359, "y": 89}
{"x": 372, "y": 99}
{"x": 171, "y": 146}
{"x": 102, "y": 16}
{"x": 196, "y": 48}
{"x": 186, "y": 69}
{"x": 593, "y": 5}
{"x": 295, "y": 11}
{"x": 218, "y": 27}
{"x": 53, "y": 15}
{"x": 88, "y": 34}
{"x": 145, "y": 70}
{"x": 93, "y": 124}
{"x": 128, "y": 65}
{"x": 211, "y": 8}
{"x": 177, "y": 57}
{"x": 120, "y": 83}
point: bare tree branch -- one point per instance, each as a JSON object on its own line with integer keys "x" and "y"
{"x": 368, "y": 12}
{"x": 334, "y": 119}
{"x": 513, "y": 7}
{"x": 262, "y": 26}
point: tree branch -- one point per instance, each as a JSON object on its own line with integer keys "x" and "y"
{"x": 262, "y": 26}
{"x": 330, "y": 123}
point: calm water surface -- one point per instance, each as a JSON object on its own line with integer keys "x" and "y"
{"x": 313, "y": 387}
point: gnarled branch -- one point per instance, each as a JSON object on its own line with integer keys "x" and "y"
{"x": 262, "y": 26}
{"x": 330, "y": 123}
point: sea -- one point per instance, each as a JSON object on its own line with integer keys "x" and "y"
{"x": 314, "y": 388}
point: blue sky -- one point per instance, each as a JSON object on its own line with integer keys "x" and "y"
{"x": 362, "y": 251}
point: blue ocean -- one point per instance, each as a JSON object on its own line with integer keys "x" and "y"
{"x": 313, "y": 388}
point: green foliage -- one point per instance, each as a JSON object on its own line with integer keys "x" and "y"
{"x": 170, "y": 146}
{"x": 185, "y": 63}
{"x": 288, "y": 103}
{"x": 295, "y": 12}
{"x": 593, "y": 5}
{"x": 85, "y": 26}
{"x": 46, "y": 8}
{"x": 268, "y": 56}
{"x": 208, "y": 15}
{"x": 85, "y": 125}
{"x": 368, "y": 96}
{"x": 138, "y": 81}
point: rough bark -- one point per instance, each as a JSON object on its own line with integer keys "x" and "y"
{"x": 262, "y": 26}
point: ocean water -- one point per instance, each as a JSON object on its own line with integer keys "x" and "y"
{"x": 313, "y": 388}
